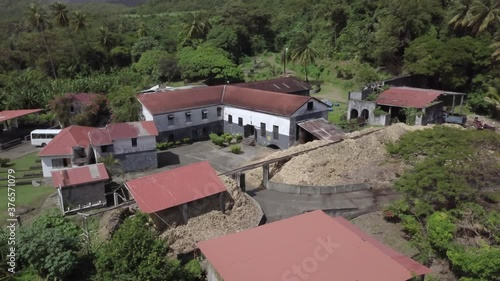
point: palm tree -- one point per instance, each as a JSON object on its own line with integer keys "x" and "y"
{"x": 37, "y": 19}
{"x": 484, "y": 13}
{"x": 462, "y": 14}
{"x": 303, "y": 52}
{"x": 196, "y": 27}
{"x": 105, "y": 38}
{"x": 61, "y": 19}
{"x": 79, "y": 23}
{"x": 60, "y": 14}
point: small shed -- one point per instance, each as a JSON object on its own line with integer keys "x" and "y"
{"x": 174, "y": 196}
{"x": 81, "y": 188}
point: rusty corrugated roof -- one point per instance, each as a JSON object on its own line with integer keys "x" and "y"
{"x": 263, "y": 101}
{"x": 279, "y": 85}
{"x": 172, "y": 188}
{"x": 408, "y": 97}
{"x": 11, "y": 114}
{"x": 311, "y": 246}
{"x": 323, "y": 130}
{"x": 171, "y": 101}
{"x": 79, "y": 175}
{"x": 116, "y": 131}
{"x": 63, "y": 143}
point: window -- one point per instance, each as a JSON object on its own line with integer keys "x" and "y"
{"x": 310, "y": 105}
{"x": 60, "y": 163}
{"x": 263, "y": 129}
{"x": 71, "y": 109}
{"x": 230, "y": 119}
{"x": 170, "y": 120}
{"x": 51, "y": 136}
{"x": 204, "y": 114}
{"x": 107, "y": 148}
{"x": 134, "y": 142}
{"x": 188, "y": 117}
{"x": 219, "y": 111}
{"x": 276, "y": 133}
{"x": 240, "y": 121}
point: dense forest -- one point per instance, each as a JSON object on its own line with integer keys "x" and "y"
{"x": 51, "y": 48}
{"x": 117, "y": 48}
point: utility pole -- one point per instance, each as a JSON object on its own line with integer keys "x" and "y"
{"x": 285, "y": 51}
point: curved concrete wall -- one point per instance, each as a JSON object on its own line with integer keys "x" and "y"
{"x": 315, "y": 190}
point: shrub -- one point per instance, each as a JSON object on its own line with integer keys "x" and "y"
{"x": 217, "y": 140}
{"x": 228, "y": 139}
{"x": 186, "y": 140}
{"x": 170, "y": 144}
{"x": 162, "y": 146}
{"x": 440, "y": 230}
{"x": 239, "y": 137}
{"x": 177, "y": 143}
{"x": 4, "y": 162}
{"x": 236, "y": 149}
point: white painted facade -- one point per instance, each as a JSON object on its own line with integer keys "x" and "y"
{"x": 255, "y": 118}
{"x": 145, "y": 114}
{"x": 317, "y": 107}
{"x": 47, "y": 164}
{"x": 124, "y": 146}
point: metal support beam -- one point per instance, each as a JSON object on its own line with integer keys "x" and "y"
{"x": 461, "y": 102}
{"x": 453, "y": 106}
{"x": 222, "y": 202}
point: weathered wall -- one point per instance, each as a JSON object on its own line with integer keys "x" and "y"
{"x": 294, "y": 129}
{"x": 138, "y": 161}
{"x": 359, "y": 106}
{"x": 194, "y": 133}
{"x": 180, "y": 120}
{"x": 382, "y": 120}
{"x": 433, "y": 115}
{"x": 315, "y": 190}
{"x": 47, "y": 164}
{"x": 83, "y": 195}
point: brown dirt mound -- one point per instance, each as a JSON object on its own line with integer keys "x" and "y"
{"x": 243, "y": 215}
{"x": 352, "y": 161}
{"x": 110, "y": 221}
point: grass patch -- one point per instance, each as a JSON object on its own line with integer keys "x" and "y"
{"x": 26, "y": 195}
{"x": 22, "y": 165}
{"x": 337, "y": 113}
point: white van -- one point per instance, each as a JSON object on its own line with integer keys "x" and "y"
{"x": 43, "y": 137}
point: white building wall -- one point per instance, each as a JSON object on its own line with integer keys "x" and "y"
{"x": 125, "y": 145}
{"x": 317, "y": 107}
{"x": 255, "y": 118}
{"x": 146, "y": 114}
{"x": 47, "y": 164}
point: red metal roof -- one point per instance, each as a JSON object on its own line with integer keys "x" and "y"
{"x": 311, "y": 246}
{"x": 264, "y": 101}
{"x": 408, "y": 97}
{"x": 11, "y": 114}
{"x": 63, "y": 143}
{"x": 170, "y": 101}
{"x": 405, "y": 261}
{"x": 84, "y": 98}
{"x": 279, "y": 85}
{"x": 116, "y": 131}
{"x": 80, "y": 175}
{"x": 172, "y": 188}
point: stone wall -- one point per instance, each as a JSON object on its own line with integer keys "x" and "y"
{"x": 359, "y": 106}
{"x": 315, "y": 190}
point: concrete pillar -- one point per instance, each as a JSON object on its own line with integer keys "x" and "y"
{"x": 461, "y": 102}
{"x": 222, "y": 202}
{"x": 184, "y": 212}
{"x": 265, "y": 175}
{"x": 115, "y": 197}
{"x": 242, "y": 182}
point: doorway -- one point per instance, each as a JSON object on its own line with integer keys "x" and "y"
{"x": 248, "y": 130}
